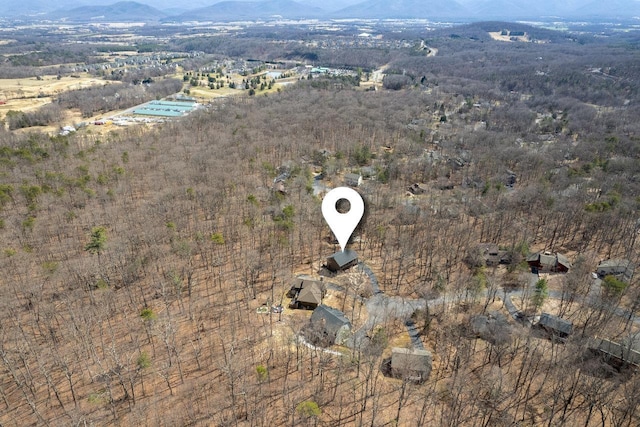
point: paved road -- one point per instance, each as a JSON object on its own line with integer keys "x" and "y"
{"x": 414, "y": 334}
{"x": 375, "y": 287}
{"x": 381, "y": 308}
{"x": 593, "y": 299}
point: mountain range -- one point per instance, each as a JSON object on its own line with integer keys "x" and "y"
{"x": 231, "y": 10}
{"x": 404, "y": 9}
{"x": 125, "y": 11}
{"x": 251, "y": 10}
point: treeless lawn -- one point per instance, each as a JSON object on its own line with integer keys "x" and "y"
{"x": 30, "y": 94}
{"x": 48, "y": 86}
{"x": 497, "y": 35}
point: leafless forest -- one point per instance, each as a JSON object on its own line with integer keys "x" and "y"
{"x": 133, "y": 262}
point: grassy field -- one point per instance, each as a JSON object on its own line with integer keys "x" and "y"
{"x": 31, "y": 93}
{"x": 506, "y": 38}
{"x": 204, "y": 93}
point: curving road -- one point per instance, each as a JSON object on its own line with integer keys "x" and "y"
{"x": 593, "y": 300}
{"x": 381, "y": 307}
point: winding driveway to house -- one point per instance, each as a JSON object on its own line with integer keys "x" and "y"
{"x": 381, "y": 307}
{"x": 592, "y": 300}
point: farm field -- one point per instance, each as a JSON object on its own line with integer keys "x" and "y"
{"x": 48, "y": 86}
{"x": 31, "y": 94}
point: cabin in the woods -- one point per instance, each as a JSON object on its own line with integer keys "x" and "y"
{"x": 555, "y": 326}
{"x": 306, "y": 293}
{"x": 411, "y": 364}
{"x": 330, "y": 325}
{"x": 548, "y": 262}
{"x": 342, "y": 260}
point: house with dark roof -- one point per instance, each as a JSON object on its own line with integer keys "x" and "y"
{"x": 548, "y": 262}
{"x": 555, "y": 326}
{"x": 306, "y": 293}
{"x": 330, "y": 325}
{"x": 621, "y": 268}
{"x": 487, "y": 254}
{"x": 412, "y": 364}
{"x": 416, "y": 189}
{"x": 342, "y": 260}
{"x": 353, "y": 179}
{"x": 490, "y": 253}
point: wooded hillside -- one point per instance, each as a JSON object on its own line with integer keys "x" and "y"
{"x": 134, "y": 262}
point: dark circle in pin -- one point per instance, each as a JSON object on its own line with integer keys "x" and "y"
{"x": 343, "y": 206}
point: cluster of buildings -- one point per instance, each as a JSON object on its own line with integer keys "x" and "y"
{"x": 328, "y": 325}
{"x": 306, "y": 293}
{"x": 554, "y": 262}
{"x": 161, "y": 62}
{"x": 555, "y": 327}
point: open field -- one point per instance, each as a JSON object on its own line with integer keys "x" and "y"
{"x": 496, "y": 35}
{"x": 31, "y": 94}
{"x": 48, "y": 86}
{"x": 204, "y": 93}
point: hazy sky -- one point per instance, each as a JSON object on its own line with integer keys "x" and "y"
{"x": 164, "y": 4}
{"x": 487, "y": 8}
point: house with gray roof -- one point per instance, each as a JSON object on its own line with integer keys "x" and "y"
{"x": 353, "y": 179}
{"x": 412, "y": 364}
{"x": 616, "y": 354}
{"x": 367, "y": 172}
{"x": 621, "y": 268}
{"x": 342, "y": 260}
{"x": 330, "y": 325}
{"x": 555, "y": 326}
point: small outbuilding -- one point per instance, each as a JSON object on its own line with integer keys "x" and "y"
{"x": 555, "y": 326}
{"x": 548, "y": 262}
{"x": 330, "y": 325}
{"x": 412, "y": 364}
{"x": 342, "y": 260}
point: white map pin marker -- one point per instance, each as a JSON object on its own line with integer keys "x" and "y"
{"x": 342, "y": 224}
